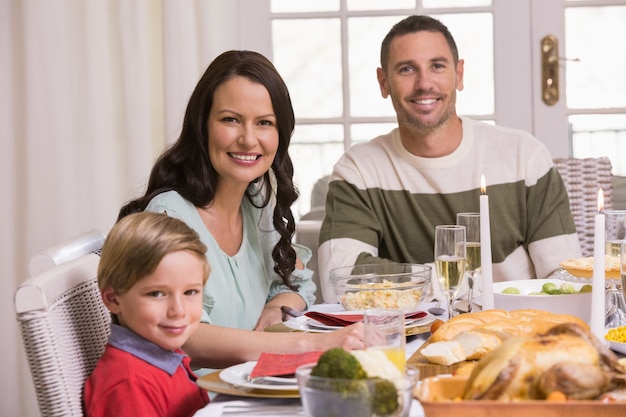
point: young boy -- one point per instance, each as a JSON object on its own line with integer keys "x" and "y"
{"x": 151, "y": 275}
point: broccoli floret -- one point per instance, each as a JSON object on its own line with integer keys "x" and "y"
{"x": 355, "y": 395}
{"x": 338, "y": 363}
{"x": 385, "y": 397}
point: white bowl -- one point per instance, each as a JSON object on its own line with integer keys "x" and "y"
{"x": 578, "y": 304}
{"x": 615, "y": 346}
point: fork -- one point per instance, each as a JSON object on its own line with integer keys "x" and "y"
{"x": 262, "y": 410}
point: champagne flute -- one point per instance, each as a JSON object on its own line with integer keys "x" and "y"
{"x": 615, "y": 235}
{"x": 450, "y": 260}
{"x": 622, "y": 264}
{"x": 615, "y": 231}
{"x": 471, "y": 221}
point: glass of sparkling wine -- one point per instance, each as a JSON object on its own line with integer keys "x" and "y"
{"x": 384, "y": 330}
{"x": 450, "y": 254}
{"x": 615, "y": 228}
{"x": 471, "y": 221}
{"x": 622, "y": 264}
{"x": 615, "y": 234}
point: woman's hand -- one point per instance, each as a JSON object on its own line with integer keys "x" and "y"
{"x": 271, "y": 314}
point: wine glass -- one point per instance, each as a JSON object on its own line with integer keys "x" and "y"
{"x": 450, "y": 260}
{"x": 622, "y": 264}
{"x": 471, "y": 221}
{"x": 615, "y": 235}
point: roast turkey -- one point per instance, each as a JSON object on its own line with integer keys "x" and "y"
{"x": 567, "y": 358}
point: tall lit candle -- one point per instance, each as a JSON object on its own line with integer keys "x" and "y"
{"x": 598, "y": 294}
{"x": 485, "y": 248}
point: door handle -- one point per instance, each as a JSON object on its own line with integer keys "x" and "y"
{"x": 550, "y": 70}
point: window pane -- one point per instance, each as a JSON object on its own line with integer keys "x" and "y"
{"x": 592, "y": 33}
{"x": 283, "y": 6}
{"x": 310, "y": 65}
{"x": 380, "y": 5}
{"x": 600, "y": 135}
{"x": 365, "y": 34}
{"x": 473, "y": 34}
{"x": 314, "y": 150}
{"x": 362, "y": 132}
{"x": 454, "y": 3}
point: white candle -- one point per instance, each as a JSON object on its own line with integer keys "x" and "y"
{"x": 598, "y": 294}
{"x": 485, "y": 248}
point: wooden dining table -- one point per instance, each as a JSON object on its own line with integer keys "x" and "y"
{"x": 225, "y": 405}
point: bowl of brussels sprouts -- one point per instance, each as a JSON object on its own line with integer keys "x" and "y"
{"x": 554, "y": 295}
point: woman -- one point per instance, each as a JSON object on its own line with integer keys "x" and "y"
{"x": 229, "y": 176}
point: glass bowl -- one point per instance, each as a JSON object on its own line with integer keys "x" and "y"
{"x": 385, "y": 285}
{"x": 336, "y": 397}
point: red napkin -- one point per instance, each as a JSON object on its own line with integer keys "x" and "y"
{"x": 282, "y": 364}
{"x": 347, "y": 319}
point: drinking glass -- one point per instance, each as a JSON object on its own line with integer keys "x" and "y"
{"x": 615, "y": 228}
{"x": 615, "y": 235}
{"x": 471, "y": 221}
{"x": 384, "y": 330}
{"x": 450, "y": 253}
{"x": 622, "y": 264}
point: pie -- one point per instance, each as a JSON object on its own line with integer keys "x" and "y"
{"x": 583, "y": 267}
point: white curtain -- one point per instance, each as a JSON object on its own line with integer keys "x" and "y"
{"x": 91, "y": 91}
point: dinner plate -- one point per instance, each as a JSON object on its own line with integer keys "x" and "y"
{"x": 213, "y": 383}
{"x": 237, "y": 375}
{"x": 307, "y": 324}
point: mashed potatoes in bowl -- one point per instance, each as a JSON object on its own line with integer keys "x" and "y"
{"x": 387, "y": 285}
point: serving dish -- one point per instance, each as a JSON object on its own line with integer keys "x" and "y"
{"x": 322, "y": 396}
{"x": 577, "y": 304}
{"x": 385, "y": 285}
{"x": 619, "y": 347}
{"x": 440, "y": 397}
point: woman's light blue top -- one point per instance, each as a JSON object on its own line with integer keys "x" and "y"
{"x": 239, "y": 285}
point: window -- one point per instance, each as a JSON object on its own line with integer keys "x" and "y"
{"x": 595, "y": 83}
{"x": 335, "y": 93}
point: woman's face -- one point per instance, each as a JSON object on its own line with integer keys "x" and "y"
{"x": 243, "y": 136}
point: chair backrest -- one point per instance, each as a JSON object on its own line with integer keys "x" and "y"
{"x": 307, "y": 234}
{"x": 64, "y": 327}
{"x": 583, "y": 177}
{"x": 90, "y": 241}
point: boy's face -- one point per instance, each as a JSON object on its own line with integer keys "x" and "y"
{"x": 164, "y": 307}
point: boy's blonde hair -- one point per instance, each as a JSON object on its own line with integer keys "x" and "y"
{"x": 136, "y": 245}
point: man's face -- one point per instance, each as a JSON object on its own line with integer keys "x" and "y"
{"x": 422, "y": 80}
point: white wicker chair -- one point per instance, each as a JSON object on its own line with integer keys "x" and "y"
{"x": 90, "y": 241}
{"x": 583, "y": 177}
{"x": 64, "y": 327}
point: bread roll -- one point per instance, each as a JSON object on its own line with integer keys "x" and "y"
{"x": 444, "y": 353}
{"x": 473, "y": 335}
{"x": 476, "y": 343}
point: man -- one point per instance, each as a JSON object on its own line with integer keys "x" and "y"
{"x": 386, "y": 196}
